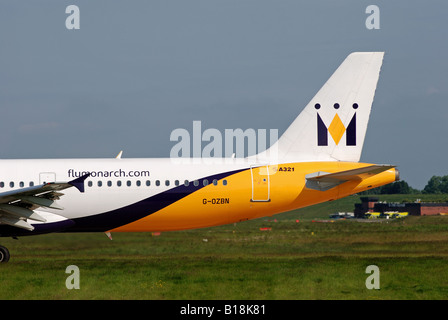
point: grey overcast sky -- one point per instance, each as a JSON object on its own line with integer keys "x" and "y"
{"x": 136, "y": 70}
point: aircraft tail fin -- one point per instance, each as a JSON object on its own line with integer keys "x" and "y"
{"x": 333, "y": 125}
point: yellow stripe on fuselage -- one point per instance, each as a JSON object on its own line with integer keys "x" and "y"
{"x": 220, "y": 204}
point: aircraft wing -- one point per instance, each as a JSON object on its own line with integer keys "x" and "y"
{"x": 16, "y": 206}
{"x": 323, "y": 181}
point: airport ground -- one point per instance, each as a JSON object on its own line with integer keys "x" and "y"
{"x": 292, "y": 256}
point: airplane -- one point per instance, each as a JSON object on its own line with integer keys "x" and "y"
{"x": 315, "y": 160}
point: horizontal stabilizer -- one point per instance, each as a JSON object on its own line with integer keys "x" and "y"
{"x": 323, "y": 181}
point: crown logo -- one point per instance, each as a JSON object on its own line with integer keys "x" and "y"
{"x": 336, "y": 128}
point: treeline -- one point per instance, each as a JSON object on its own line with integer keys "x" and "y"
{"x": 435, "y": 185}
{"x": 397, "y": 187}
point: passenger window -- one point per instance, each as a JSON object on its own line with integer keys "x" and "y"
{"x": 176, "y": 182}
{"x": 205, "y": 182}
{"x": 2, "y": 184}
{"x": 128, "y": 183}
{"x": 11, "y": 184}
{"x": 90, "y": 183}
{"x": 186, "y": 183}
{"x": 167, "y": 182}
{"x": 138, "y": 183}
{"x": 119, "y": 183}
{"x": 157, "y": 183}
{"x": 109, "y": 183}
{"x": 21, "y": 184}
{"x": 195, "y": 183}
{"x": 31, "y": 184}
{"x": 224, "y": 182}
{"x": 215, "y": 182}
{"x": 148, "y": 183}
{"x": 100, "y": 183}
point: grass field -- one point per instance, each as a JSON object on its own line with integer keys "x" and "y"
{"x": 293, "y": 260}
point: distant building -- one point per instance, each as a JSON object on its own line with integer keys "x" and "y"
{"x": 367, "y": 205}
{"x": 372, "y": 204}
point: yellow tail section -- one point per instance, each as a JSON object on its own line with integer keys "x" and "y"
{"x": 278, "y": 188}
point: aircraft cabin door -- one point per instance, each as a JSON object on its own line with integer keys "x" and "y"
{"x": 46, "y": 177}
{"x": 261, "y": 191}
